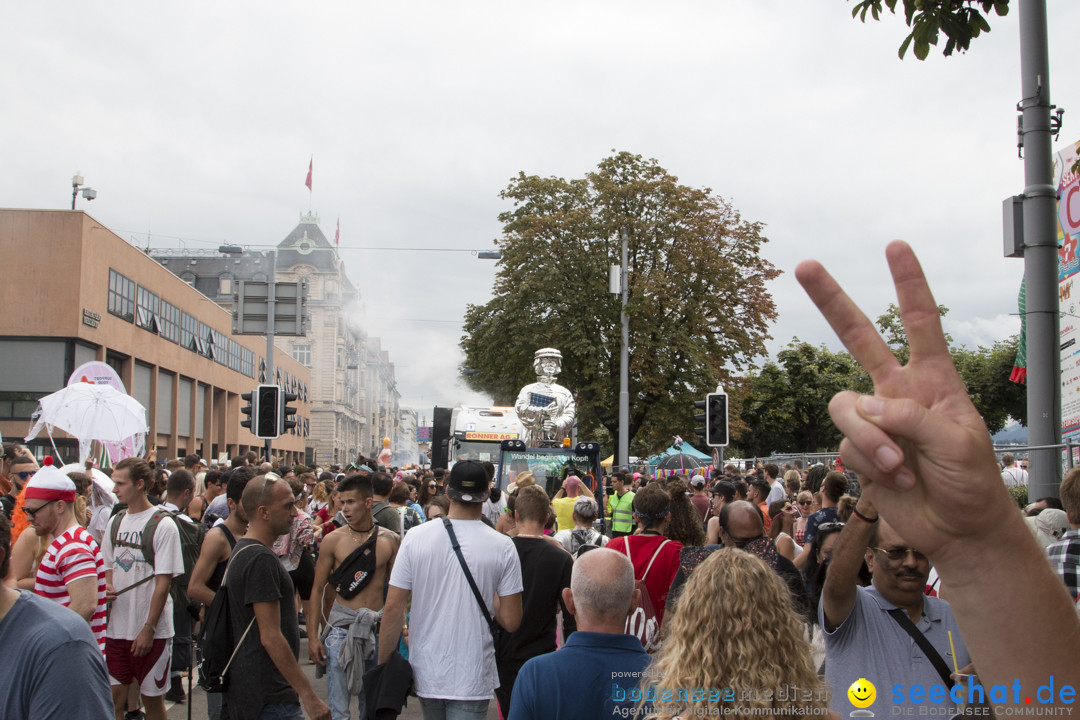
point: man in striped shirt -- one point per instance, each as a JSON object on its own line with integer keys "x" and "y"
{"x": 72, "y": 571}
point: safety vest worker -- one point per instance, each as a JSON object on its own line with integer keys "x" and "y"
{"x": 621, "y": 506}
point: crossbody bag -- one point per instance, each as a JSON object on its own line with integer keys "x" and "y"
{"x": 493, "y": 626}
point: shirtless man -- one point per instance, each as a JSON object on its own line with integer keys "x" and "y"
{"x": 354, "y": 562}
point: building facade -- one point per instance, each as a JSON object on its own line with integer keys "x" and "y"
{"x": 78, "y": 292}
{"x": 350, "y": 391}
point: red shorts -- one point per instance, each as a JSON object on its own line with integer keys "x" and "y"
{"x": 151, "y": 670}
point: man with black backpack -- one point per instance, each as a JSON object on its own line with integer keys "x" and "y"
{"x": 138, "y": 577}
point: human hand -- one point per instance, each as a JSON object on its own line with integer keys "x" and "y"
{"x": 316, "y": 651}
{"x": 315, "y": 708}
{"x": 143, "y": 641}
{"x": 110, "y": 592}
{"x": 921, "y": 449}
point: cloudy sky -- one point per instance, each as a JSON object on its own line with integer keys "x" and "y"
{"x": 195, "y": 124}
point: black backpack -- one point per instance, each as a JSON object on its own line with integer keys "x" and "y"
{"x": 216, "y": 647}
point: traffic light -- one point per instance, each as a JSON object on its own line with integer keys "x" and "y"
{"x": 701, "y": 431}
{"x": 252, "y": 400}
{"x": 286, "y": 420}
{"x": 716, "y": 420}
{"x": 267, "y": 412}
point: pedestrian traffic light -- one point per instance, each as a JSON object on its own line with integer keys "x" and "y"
{"x": 700, "y": 431}
{"x": 286, "y": 420}
{"x": 716, "y": 420}
{"x": 252, "y": 400}
{"x": 267, "y": 411}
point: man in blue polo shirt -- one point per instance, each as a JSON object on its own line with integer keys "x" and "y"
{"x": 591, "y": 675}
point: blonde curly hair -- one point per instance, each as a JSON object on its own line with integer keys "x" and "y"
{"x": 735, "y": 628}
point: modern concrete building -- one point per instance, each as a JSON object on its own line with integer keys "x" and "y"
{"x": 74, "y": 291}
{"x": 353, "y": 393}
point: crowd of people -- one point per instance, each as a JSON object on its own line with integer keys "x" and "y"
{"x": 778, "y": 591}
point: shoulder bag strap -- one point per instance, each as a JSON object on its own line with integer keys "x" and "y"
{"x": 653, "y": 559}
{"x": 929, "y": 650}
{"x": 239, "y": 642}
{"x": 468, "y": 575}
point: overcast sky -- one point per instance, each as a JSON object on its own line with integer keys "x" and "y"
{"x": 195, "y": 124}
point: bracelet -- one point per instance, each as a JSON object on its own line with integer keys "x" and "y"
{"x": 148, "y": 625}
{"x": 856, "y": 513}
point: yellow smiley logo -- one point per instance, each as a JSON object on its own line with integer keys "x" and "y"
{"x": 862, "y": 693}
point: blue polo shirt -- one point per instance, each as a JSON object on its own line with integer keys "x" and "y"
{"x": 586, "y": 678}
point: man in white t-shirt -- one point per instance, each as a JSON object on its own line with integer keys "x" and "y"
{"x": 448, "y": 631}
{"x": 72, "y": 572}
{"x": 138, "y": 639}
{"x": 776, "y": 486}
{"x": 1012, "y": 475}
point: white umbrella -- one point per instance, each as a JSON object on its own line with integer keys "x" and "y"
{"x": 90, "y": 412}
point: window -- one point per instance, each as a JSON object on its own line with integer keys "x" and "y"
{"x": 225, "y": 283}
{"x": 189, "y": 329}
{"x": 202, "y": 344}
{"x": 170, "y": 321}
{"x": 221, "y": 348}
{"x": 121, "y": 296}
{"x": 302, "y": 354}
{"x": 188, "y": 277}
{"x": 234, "y": 355}
{"x": 146, "y": 311}
{"x": 247, "y": 362}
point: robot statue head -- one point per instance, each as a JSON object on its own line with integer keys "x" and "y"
{"x": 547, "y": 364}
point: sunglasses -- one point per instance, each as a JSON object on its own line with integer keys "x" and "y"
{"x": 897, "y": 554}
{"x": 31, "y": 512}
{"x": 25, "y": 475}
{"x": 432, "y": 486}
{"x": 806, "y": 502}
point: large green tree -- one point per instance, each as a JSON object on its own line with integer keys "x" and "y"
{"x": 787, "y": 407}
{"x": 698, "y": 304}
{"x": 959, "y": 20}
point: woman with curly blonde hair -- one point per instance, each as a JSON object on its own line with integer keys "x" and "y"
{"x": 739, "y": 632}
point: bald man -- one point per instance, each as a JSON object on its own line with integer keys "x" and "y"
{"x": 599, "y": 662}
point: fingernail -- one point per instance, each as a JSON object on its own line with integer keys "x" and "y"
{"x": 887, "y": 458}
{"x": 871, "y": 405}
{"x": 904, "y": 480}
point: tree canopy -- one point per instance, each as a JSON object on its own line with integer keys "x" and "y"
{"x": 698, "y": 304}
{"x": 960, "y": 21}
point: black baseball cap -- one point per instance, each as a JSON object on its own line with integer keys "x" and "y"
{"x": 468, "y": 482}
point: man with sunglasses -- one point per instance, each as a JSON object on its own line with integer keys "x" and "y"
{"x": 20, "y": 469}
{"x": 865, "y": 635}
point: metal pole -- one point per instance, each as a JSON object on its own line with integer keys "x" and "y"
{"x": 270, "y": 302}
{"x": 624, "y": 359}
{"x": 1040, "y": 254}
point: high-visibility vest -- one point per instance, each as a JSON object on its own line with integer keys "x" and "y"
{"x": 622, "y": 512}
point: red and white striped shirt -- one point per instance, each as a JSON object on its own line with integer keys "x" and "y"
{"x": 71, "y": 556}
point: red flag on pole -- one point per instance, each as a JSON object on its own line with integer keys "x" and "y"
{"x": 337, "y": 233}
{"x": 308, "y": 181}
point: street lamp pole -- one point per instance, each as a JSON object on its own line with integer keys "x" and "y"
{"x": 624, "y": 359}
{"x": 270, "y": 302}
{"x": 1040, "y": 253}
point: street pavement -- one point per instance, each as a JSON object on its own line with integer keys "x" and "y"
{"x": 198, "y": 707}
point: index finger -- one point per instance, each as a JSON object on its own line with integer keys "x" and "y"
{"x": 849, "y": 323}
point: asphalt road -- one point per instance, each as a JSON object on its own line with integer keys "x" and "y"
{"x": 198, "y": 707}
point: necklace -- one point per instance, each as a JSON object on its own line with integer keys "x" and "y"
{"x": 352, "y": 533}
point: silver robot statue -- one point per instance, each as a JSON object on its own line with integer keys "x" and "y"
{"x": 545, "y": 408}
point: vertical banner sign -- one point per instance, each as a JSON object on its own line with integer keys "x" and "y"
{"x": 1068, "y": 227}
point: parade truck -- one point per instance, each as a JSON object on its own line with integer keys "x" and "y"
{"x": 550, "y": 466}
{"x": 471, "y": 432}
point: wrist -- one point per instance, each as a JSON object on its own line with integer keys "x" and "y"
{"x": 865, "y": 518}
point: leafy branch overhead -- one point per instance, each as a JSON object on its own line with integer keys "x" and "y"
{"x": 959, "y": 20}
